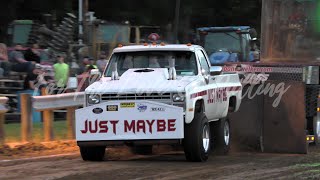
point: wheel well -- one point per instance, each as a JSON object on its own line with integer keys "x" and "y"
{"x": 232, "y": 103}
{"x": 199, "y": 107}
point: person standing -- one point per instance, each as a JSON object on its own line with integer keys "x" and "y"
{"x": 83, "y": 65}
{"x": 61, "y": 75}
{"x": 102, "y": 62}
{"x": 91, "y": 65}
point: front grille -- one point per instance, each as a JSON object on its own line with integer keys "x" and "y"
{"x": 142, "y": 96}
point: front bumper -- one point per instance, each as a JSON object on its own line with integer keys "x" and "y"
{"x": 129, "y": 143}
{"x": 129, "y": 120}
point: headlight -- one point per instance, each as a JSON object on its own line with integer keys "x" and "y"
{"x": 94, "y": 99}
{"x": 178, "y": 97}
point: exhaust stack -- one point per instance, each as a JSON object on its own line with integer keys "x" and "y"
{"x": 172, "y": 69}
{"x": 115, "y": 75}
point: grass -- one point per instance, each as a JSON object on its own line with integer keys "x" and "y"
{"x": 308, "y": 165}
{"x": 13, "y": 131}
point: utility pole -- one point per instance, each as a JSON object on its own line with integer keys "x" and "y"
{"x": 85, "y": 23}
{"x": 176, "y": 21}
{"x": 80, "y": 17}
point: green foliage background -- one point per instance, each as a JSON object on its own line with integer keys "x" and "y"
{"x": 142, "y": 12}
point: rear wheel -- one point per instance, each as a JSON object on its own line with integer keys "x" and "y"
{"x": 197, "y": 140}
{"x": 221, "y": 136}
{"x": 92, "y": 153}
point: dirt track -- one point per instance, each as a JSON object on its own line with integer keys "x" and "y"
{"x": 170, "y": 165}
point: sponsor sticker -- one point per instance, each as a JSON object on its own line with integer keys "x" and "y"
{"x": 97, "y": 110}
{"x": 157, "y": 109}
{"x": 112, "y": 107}
{"x": 142, "y": 107}
{"x": 128, "y": 105}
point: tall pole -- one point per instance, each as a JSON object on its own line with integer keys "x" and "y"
{"x": 85, "y": 24}
{"x": 176, "y": 21}
{"x": 80, "y": 16}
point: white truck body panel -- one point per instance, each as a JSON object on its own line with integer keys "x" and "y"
{"x": 214, "y": 91}
{"x": 129, "y": 120}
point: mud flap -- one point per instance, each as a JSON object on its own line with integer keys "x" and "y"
{"x": 260, "y": 125}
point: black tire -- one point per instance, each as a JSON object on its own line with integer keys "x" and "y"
{"x": 221, "y": 146}
{"x": 316, "y": 130}
{"x": 142, "y": 149}
{"x": 92, "y": 153}
{"x": 194, "y": 148}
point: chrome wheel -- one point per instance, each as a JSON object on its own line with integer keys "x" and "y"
{"x": 205, "y": 138}
{"x": 226, "y": 133}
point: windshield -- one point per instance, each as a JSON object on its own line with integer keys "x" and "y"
{"x": 225, "y": 41}
{"x": 185, "y": 61}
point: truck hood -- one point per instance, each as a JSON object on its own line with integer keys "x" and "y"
{"x": 155, "y": 81}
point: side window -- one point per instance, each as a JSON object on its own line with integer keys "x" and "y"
{"x": 203, "y": 62}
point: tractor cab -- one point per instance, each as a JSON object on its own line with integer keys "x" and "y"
{"x": 229, "y": 44}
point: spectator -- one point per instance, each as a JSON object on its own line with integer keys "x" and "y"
{"x": 61, "y": 75}
{"x": 91, "y": 64}
{"x": 83, "y": 66}
{"x": 18, "y": 62}
{"x": 32, "y": 81}
{"x": 4, "y": 63}
{"x": 153, "y": 62}
{"x": 102, "y": 62}
{"x": 33, "y": 54}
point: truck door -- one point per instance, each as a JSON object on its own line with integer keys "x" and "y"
{"x": 209, "y": 85}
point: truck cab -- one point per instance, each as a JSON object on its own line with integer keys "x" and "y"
{"x": 229, "y": 44}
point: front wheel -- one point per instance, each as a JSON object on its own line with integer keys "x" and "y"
{"x": 92, "y": 153}
{"x": 221, "y": 136}
{"x": 197, "y": 140}
{"x": 316, "y": 130}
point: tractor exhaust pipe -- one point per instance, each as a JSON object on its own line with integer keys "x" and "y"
{"x": 115, "y": 75}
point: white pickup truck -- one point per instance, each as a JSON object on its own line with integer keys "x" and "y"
{"x": 158, "y": 94}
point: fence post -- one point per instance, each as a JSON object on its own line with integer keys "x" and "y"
{"x": 71, "y": 122}
{"x": 48, "y": 125}
{"x": 26, "y": 117}
{"x": 2, "y": 132}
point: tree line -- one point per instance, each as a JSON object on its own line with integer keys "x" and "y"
{"x": 139, "y": 12}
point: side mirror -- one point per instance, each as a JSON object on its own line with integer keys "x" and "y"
{"x": 94, "y": 75}
{"x": 215, "y": 70}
